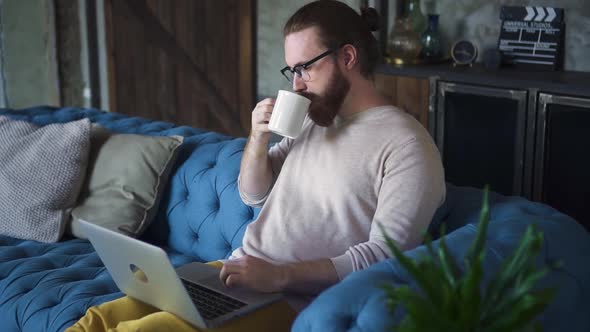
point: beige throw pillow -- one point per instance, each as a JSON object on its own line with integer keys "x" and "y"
{"x": 127, "y": 174}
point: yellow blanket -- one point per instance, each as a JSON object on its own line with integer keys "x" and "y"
{"x": 127, "y": 314}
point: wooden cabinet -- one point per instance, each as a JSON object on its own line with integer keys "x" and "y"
{"x": 408, "y": 93}
{"x": 480, "y": 132}
{"x": 523, "y": 133}
{"x": 562, "y": 159}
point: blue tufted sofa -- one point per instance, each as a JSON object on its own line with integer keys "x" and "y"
{"x": 47, "y": 287}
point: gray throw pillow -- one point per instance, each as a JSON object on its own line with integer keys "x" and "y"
{"x": 41, "y": 172}
{"x": 127, "y": 174}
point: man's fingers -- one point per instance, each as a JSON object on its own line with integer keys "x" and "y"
{"x": 225, "y": 272}
{"x": 262, "y": 116}
{"x": 262, "y": 127}
{"x": 230, "y": 279}
{"x": 233, "y": 280}
{"x": 230, "y": 267}
{"x": 266, "y": 101}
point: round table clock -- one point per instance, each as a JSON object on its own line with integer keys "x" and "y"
{"x": 463, "y": 53}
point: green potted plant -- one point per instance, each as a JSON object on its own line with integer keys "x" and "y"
{"x": 449, "y": 298}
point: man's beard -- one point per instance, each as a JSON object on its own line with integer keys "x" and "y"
{"x": 324, "y": 108}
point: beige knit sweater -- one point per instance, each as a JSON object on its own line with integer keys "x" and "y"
{"x": 333, "y": 186}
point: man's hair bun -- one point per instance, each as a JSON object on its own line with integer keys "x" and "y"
{"x": 371, "y": 18}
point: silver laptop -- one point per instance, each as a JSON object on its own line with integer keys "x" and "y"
{"x": 192, "y": 292}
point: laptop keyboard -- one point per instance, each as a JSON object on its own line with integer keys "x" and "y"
{"x": 211, "y": 304}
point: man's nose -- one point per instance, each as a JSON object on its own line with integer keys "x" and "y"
{"x": 298, "y": 84}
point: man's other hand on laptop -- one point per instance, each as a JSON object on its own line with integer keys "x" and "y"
{"x": 253, "y": 273}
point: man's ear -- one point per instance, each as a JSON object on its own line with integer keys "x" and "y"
{"x": 350, "y": 56}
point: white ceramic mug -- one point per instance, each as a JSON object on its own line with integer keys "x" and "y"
{"x": 288, "y": 114}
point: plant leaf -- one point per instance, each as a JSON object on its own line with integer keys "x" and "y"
{"x": 410, "y": 266}
{"x": 449, "y": 299}
{"x": 478, "y": 246}
{"x": 448, "y": 263}
{"x": 508, "y": 276}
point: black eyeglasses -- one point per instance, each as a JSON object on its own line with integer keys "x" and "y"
{"x": 301, "y": 69}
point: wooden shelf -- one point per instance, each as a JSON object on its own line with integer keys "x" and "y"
{"x": 562, "y": 82}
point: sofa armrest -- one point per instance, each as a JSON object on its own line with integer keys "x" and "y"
{"x": 357, "y": 303}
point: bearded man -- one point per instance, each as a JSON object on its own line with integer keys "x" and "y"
{"x": 358, "y": 163}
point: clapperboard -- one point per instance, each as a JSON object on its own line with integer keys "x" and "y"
{"x": 532, "y": 37}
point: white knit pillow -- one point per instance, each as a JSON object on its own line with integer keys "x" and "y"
{"x": 41, "y": 173}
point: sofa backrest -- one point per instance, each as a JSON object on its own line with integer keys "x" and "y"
{"x": 565, "y": 239}
{"x": 463, "y": 206}
{"x": 200, "y": 213}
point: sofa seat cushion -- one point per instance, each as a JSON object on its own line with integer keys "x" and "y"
{"x": 48, "y": 287}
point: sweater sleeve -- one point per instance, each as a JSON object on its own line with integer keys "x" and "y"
{"x": 412, "y": 188}
{"x": 277, "y": 154}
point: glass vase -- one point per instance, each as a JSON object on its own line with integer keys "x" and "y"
{"x": 431, "y": 43}
{"x": 416, "y": 17}
{"x": 404, "y": 43}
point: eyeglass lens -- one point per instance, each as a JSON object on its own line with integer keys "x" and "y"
{"x": 299, "y": 71}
